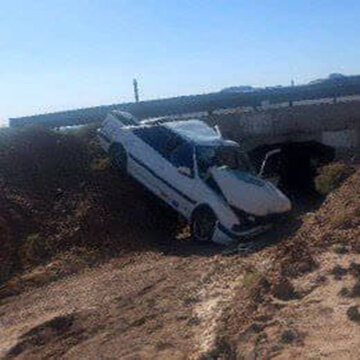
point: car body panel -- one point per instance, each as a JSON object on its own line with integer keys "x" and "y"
{"x": 152, "y": 166}
{"x": 259, "y": 197}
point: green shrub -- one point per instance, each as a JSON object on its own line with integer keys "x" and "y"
{"x": 330, "y": 177}
{"x": 100, "y": 164}
{"x": 341, "y": 220}
{"x": 250, "y": 277}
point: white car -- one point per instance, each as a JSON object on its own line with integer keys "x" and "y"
{"x": 204, "y": 177}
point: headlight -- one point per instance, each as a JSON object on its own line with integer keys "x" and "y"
{"x": 246, "y": 220}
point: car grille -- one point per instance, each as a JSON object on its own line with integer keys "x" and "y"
{"x": 248, "y": 221}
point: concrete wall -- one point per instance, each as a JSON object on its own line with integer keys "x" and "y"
{"x": 341, "y": 139}
{"x": 337, "y": 125}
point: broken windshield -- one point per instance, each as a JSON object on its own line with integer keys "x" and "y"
{"x": 222, "y": 156}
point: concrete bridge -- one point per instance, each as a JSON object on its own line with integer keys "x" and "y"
{"x": 336, "y": 125}
{"x": 307, "y": 134}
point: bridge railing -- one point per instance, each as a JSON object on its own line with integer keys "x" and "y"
{"x": 349, "y": 86}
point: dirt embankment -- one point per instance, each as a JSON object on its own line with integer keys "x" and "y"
{"x": 60, "y": 200}
{"x": 155, "y": 297}
{"x": 305, "y": 305}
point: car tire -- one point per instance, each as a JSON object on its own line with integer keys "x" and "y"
{"x": 203, "y": 225}
{"x": 118, "y": 158}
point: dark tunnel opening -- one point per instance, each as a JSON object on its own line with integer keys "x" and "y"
{"x": 294, "y": 168}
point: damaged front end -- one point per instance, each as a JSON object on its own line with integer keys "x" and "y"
{"x": 248, "y": 222}
{"x": 257, "y": 204}
{"x": 249, "y": 227}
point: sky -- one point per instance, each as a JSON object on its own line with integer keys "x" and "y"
{"x": 59, "y": 55}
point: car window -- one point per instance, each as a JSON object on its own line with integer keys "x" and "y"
{"x": 229, "y": 156}
{"x": 154, "y": 136}
{"x": 159, "y": 138}
{"x": 182, "y": 156}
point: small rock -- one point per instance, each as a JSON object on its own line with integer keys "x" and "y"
{"x": 356, "y": 290}
{"x": 320, "y": 280}
{"x": 353, "y": 313}
{"x": 341, "y": 249}
{"x": 354, "y": 293}
{"x": 263, "y": 318}
{"x": 354, "y": 269}
{"x": 276, "y": 348}
{"x": 289, "y": 336}
{"x": 338, "y": 272}
{"x": 194, "y": 321}
{"x": 344, "y": 292}
{"x": 284, "y": 290}
{"x": 256, "y": 327}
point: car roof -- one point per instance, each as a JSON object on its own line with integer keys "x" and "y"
{"x": 125, "y": 117}
{"x": 196, "y": 131}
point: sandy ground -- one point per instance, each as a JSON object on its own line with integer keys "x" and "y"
{"x": 321, "y": 317}
{"x": 315, "y": 325}
{"x": 179, "y": 300}
{"x": 156, "y": 306}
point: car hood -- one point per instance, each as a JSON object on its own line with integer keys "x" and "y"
{"x": 250, "y": 193}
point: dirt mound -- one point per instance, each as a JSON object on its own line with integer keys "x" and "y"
{"x": 5, "y": 231}
{"x": 338, "y": 219}
{"x": 298, "y": 268}
{"x": 50, "y": 338}
{"x": 153, "y": 299}
{"x": 15, "y": 222}
{"x": 59, "y": 195}
{"x": 335, "y": 223}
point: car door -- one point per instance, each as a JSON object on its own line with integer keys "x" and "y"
{"x": 178, "y": 173}
{"x": 144, "y": 158}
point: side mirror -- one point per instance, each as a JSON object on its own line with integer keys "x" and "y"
{"x": 184, "y": 171}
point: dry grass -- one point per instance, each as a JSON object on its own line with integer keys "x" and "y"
{"x": 341, "y": 220}
{"x": 331, "y": 176}
{"x": 250, "y": 278}
{"x": 100, "y": 164}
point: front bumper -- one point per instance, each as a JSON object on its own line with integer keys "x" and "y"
{"x": 224, "y": 236}
{"x": 258, "y": 225}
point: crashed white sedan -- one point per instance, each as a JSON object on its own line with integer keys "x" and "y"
{"x": 204, "y": 177}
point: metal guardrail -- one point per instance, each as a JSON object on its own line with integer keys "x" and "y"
{"x": 348, "y": 86}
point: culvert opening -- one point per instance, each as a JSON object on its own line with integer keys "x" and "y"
{"x": 295, "y": 166}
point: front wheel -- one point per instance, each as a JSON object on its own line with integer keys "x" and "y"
{"x": 203, "y": 225}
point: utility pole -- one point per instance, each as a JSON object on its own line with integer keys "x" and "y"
{"x": 291, "y": 103}
{"x": 136, "y": 90}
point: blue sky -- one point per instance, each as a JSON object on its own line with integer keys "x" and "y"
{"x": 57, "y": 55}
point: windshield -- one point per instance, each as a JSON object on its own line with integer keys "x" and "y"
{"x": 219, "y": 156}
